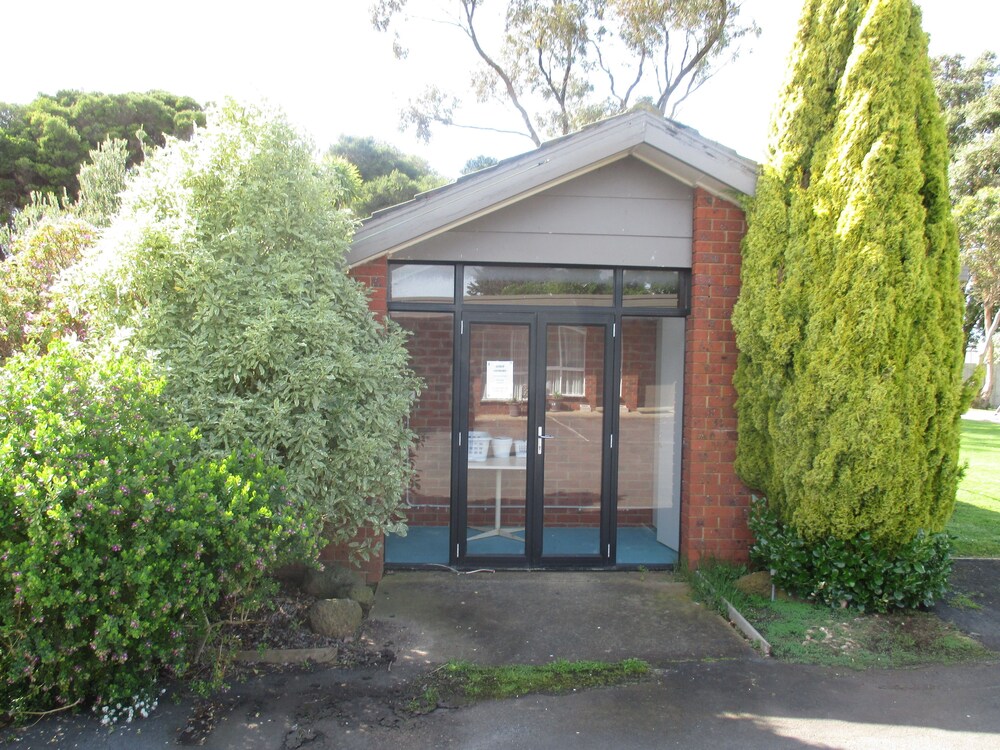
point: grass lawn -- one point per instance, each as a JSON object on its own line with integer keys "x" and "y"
{"x": 975, "y": 525}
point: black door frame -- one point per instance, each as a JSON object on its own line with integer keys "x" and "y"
{"x": 537, "y": 321}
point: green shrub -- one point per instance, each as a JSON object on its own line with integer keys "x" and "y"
{"x": 849, "y": 320}
{"x": 855, "y": 572}
{"x": 120, "y": 548}
{"x": 227, "y": 260}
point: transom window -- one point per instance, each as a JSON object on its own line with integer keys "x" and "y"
{"x": 642, "y": 291}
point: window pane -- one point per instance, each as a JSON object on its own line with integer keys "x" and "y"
{"x": 418, "y": 283}
{"x": 652, "y": 289}
{"x": 573, "y": 455}
{"x": 567, "y": 347}
{"x": 538, "y": 285}
{"x": 649, "y": 460}
{"x": 496, "y": 488}
{"x": 428, "y": 498}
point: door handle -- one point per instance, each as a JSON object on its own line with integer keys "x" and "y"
{"x": 542, "y": 437}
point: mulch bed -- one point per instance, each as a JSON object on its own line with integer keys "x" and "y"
{"x": 287, "y": 627}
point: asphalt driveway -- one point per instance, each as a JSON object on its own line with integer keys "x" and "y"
{"x": 973, "y": 604}
{"x": 708, "y": 689}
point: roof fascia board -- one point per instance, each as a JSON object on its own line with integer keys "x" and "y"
{"x": 356, "y": 254}
{"x": 459, "y": 203}
{"x": 684, "y": 174}
{"x": 714, "y": 163}
{"x": 685, "y": 156}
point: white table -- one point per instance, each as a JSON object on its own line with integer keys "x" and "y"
{"x": 499, "y": 465}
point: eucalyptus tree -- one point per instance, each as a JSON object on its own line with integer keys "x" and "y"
{"x": 560, "y": 64}
{"x": 971, "y": 101}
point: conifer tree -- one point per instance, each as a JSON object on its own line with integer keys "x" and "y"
{"x": 849, "y": 321}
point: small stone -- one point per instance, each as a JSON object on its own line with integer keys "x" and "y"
{"x": 364, "y": 596}
{"x": 331, "y": 582}
{"x": 335, "y": 618}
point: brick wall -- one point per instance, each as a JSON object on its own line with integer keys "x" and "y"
{"x": 375, "y": 275}
{"x": 713, "y": 500}
{"x": 338, "y": 553}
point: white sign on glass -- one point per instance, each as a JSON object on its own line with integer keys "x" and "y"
{"x": 499, "y": 380}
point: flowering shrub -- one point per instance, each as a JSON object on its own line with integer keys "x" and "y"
{"x": 118, "y": 548}
{"x": 39, "y": 254}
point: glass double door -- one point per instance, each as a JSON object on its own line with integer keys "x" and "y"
{"x": 535, "y": 411}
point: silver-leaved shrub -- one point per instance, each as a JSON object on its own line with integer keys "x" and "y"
{"x": 227, "y": 260}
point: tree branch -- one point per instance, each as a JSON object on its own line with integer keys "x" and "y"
{"x": 638, "y": 77}
{"x": 470, "y": 11}
{"x": 710, "y": 41}
{"x": 503, "y": 131}
{"x": 694, "y": 83}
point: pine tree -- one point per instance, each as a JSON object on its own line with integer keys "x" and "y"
{"x": 849, "y": 321}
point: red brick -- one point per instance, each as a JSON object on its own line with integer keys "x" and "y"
{"x": 713, "y": 500}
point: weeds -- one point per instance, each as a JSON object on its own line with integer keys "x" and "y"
{"x": 814, "y": 634}
{"x": 464, "y": 682}
{"x": 963, "y": 600}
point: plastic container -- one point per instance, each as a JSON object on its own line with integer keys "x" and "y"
{"x": 479, "y": 445}
{"x": 501, "y": 446}
{"x": 521, "y": 448}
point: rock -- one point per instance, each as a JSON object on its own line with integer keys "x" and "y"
{"x": 335, "y": 618}
{"x": 755, "y": 583}
{"x": 332, "y": 582}
{"x": 759, "y": 584}
{"x": 364, "y": 596}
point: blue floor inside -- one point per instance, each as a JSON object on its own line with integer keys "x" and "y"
{"x": 425, "y": 545}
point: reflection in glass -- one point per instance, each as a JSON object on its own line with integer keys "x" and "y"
{"x": 497, "y": 441}
{"x": 574, "y": 418}
{"x": 649, "y": 459}
{"x": 651, "y": 289}
{"x": 428, "y": 498}
{"x": 412, "y": 282}
{"x": 538, "y": 285}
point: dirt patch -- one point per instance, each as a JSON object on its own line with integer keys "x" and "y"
{"x": 918, "y": 632}
{"x": 802, "y": 632}
{"x": 914, "y": 634}
{"x": 287, "y": 627}
{"x": 839, "y": 637}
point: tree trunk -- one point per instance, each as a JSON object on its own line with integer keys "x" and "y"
{"x": 990, "y": 322}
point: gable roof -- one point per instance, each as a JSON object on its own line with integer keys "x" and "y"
{"x": 672, "y": 148}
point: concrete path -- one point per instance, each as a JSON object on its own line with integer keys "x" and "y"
{"x": 982, "y": 415}
{"x": 746, "y": 704}
{"x": 709, "y": 690}
{"x": 533, "y": 618}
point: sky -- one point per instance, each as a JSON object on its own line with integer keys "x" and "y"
{"x": 332, "y": 74}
